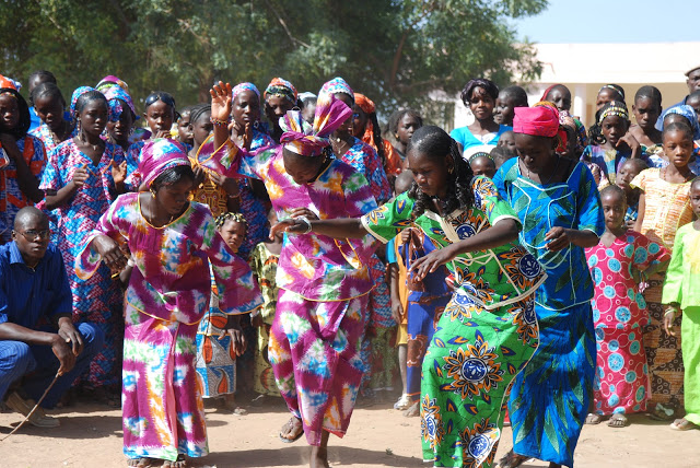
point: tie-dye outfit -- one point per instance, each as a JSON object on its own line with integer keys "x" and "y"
{"x": 97, "y": 300}
{"x": 486, "y": 335}
{"x": 168, "y": 294}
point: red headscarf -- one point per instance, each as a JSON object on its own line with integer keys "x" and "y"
{"x": 368, "y": 107}
{"x": 540, "y": 120}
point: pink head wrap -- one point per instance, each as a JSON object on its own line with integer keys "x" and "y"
{"x": 159, "y": 155}
{"x": 301, "y": 138}
{"x": 537, "y": 121}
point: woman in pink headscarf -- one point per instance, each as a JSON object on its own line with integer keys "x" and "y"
{"x": 172, "y": 243}
{"x": 557, "y": 202}
{"x": 317, "y": 333}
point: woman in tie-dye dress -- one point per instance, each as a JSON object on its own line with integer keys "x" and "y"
{"x": 488, "y": 330}
{"x": 324, "y": 283}
{"x": 172, "y": 242}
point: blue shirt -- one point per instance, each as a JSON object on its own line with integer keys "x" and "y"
{"x": 27, "y": 295}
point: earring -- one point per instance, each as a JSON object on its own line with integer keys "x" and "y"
{"x": 256, "y": 124}
{"x": 153, "y": 193}
{"x": 450, "y": 169}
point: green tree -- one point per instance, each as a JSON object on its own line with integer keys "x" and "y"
{"x": 397, "y": 52}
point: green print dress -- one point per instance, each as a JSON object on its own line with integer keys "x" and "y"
{"x": 484, "y": 338}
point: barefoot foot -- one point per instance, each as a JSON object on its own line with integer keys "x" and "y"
{"x": 319, "y": 457}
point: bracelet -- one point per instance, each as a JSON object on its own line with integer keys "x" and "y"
{"x": 220, "y": 122}
{"x": 306, "y": 221}
{"x": 670, "y": 311}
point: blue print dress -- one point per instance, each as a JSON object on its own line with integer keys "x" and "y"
{"x": 549, "y": 399}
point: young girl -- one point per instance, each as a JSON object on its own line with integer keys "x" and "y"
{"x": 122, "y": 117}
{"x": 664, "y": 207}
{"x": 402, "y": 124}
{"x": 560, "y": 96}
{"x": 159, "y": 113}
{"x": 482, "y": 164}
{"x": 184, "y": 131}
{"x": 280, "y": 96}
{"x": 680, "y": 292}
{"x": 686, "y": 115}
{"x": 22, "y": 158}
{"x": 647, "y": 109}
{"x": 50, "y": 107}
{"x": 508, "y": 98}
{"x": 488, "y": 331}
{"x": 611, "y": 144}
{"x": 176, "y": 249}
{"x": 627, "y": 172}
{"x": 479, "y": 95}
{"x": 263, "y": 261}
{"x": 620, "y": 261}
{"x": 609, "y": 93}
{"x": 80, "y": 186}
{"x": 216, "y": 353}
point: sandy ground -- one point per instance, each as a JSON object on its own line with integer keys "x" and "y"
{"x": 90, "y": 436}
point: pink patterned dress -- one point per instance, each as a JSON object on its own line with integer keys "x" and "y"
{"x": 168, "y": 295}
{"x": 621, "y": 382}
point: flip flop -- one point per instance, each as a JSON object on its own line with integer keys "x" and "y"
{"x": 296, "y": 437}
{"x": 682, "y": 425}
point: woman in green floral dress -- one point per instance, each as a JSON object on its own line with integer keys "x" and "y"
{"x": 489, "y": 330}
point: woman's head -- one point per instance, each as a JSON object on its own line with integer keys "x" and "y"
{"x": 160, "y": 111}
{"x": 38, "y": 77}
{"x": 14, "y": 112}
{"x": 308, "y": 109}
{"x": 200, "y": 123}
{"x": 172, "y": 188}
{"x": 559, "y": 95}
{"x": 403, "y": 124}
{"x": 91, "y": 112}
{"x": 246, "y": 104}
{"x": 509, "y": 98}
{"x": 122, "y": 113}
{"x": 365, "y": 125}
{"x": 342, "y": 91}
{"x": 627, "y": 172}
{"x": 507, "y": 140}
{"x": 280, "y": 97}
{"x": 233, "y": 228}
{"x": 438, "y": 171}
{"x": 647, "y": 107}
{"x": 614, "y": 203}
{"x": 537, "y": 135}
{"x": 609, "y": 93}
{"x": 49, "y": 105}
{"x": 166, "y": 172}
{"x": 614, "y": 121}
{"x": 682, "y": 114}
{"x": 678, "y": 143}
{"x": 480, "y": 95}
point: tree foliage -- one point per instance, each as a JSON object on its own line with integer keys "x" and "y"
{"x": 397, "y": 52}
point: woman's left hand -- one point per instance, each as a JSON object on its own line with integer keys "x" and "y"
{"x": 431, "y": 262}
{"x": 557, "y": 238}
{"x": 119, "y": 172}
{"x": 305, "y": 212}
{"x": 233, "y": 329}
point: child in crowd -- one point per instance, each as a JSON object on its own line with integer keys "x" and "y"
{"x": 611, "y": 145}
{"x": 50, "y": 106}
{"x": 664, "y": 206}
{"x": 501, "y": 154}
{"x": 263, "y": 262}
{"x": 216, "y": 356}
{"x": 685, "y": 115}
{"x": 619, "y": 263}
{"x": 560, "y": 96}
{"x": 482, "y": 164}
{"x": 681, "y": 292}
{"x": 401, "y": 125}
{"x": 609, "y": 93}
{"x": 508, "y": 98}
{"x": 507, "y": 141}
{"x": 397, "y": 273}
{"x": 647, "y": 109}
{"x": 628, "y": 171}
{"x": 184, "y": 131}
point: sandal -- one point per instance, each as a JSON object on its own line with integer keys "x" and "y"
{"x": 403, "y": 402}
{"x": 512, "y": 460}
{"x": 593, "y": 418}
{"x": 662, "y": 413}
{"x": 290, "y": 425}
{"x": 618, "y": 420}
{"x": 683, "y": 425}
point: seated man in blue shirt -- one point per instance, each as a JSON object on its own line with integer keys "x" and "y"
{"x": 37, "y": 335}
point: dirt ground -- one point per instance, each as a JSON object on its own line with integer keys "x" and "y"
{"x": 379, "y": 436}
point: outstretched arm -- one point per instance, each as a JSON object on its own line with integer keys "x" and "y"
{"x": 221, "y": 106}
{"x": 341, "y": 228}
{"x": 500, "y": 233}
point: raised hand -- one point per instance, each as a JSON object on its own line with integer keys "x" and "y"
{"x": 80, "y": 175}
{"x": 221, "y": 101}
{"x": 119, "y": 172}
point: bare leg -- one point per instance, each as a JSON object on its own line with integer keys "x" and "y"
{"x": 319, "y": 455}
{"x": 554, "y": 465}
{"x": 403, "y": 366}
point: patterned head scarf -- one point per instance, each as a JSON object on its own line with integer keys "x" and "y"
{"x": 687, "y": 112}
{"x": 159, "y": 155}
{"x": 613, "y": 108}
{"x": 301, "y": 138}
{"x": 76, "y": 95}
{"x": 109, "y": 81}
{"x": 368, "y": 107}
{"x": 283, "y": 88}
{"x": 240, "y": 87}
{"x": 9, "y": 83}
{"x": 335, "y": 86}
{"x": 114, "y": 95}
{"x": 10, "y": 87}
{"x": 564, "y": 119}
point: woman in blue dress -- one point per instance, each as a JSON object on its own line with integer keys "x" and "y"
{"x": 557, "y": 201}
